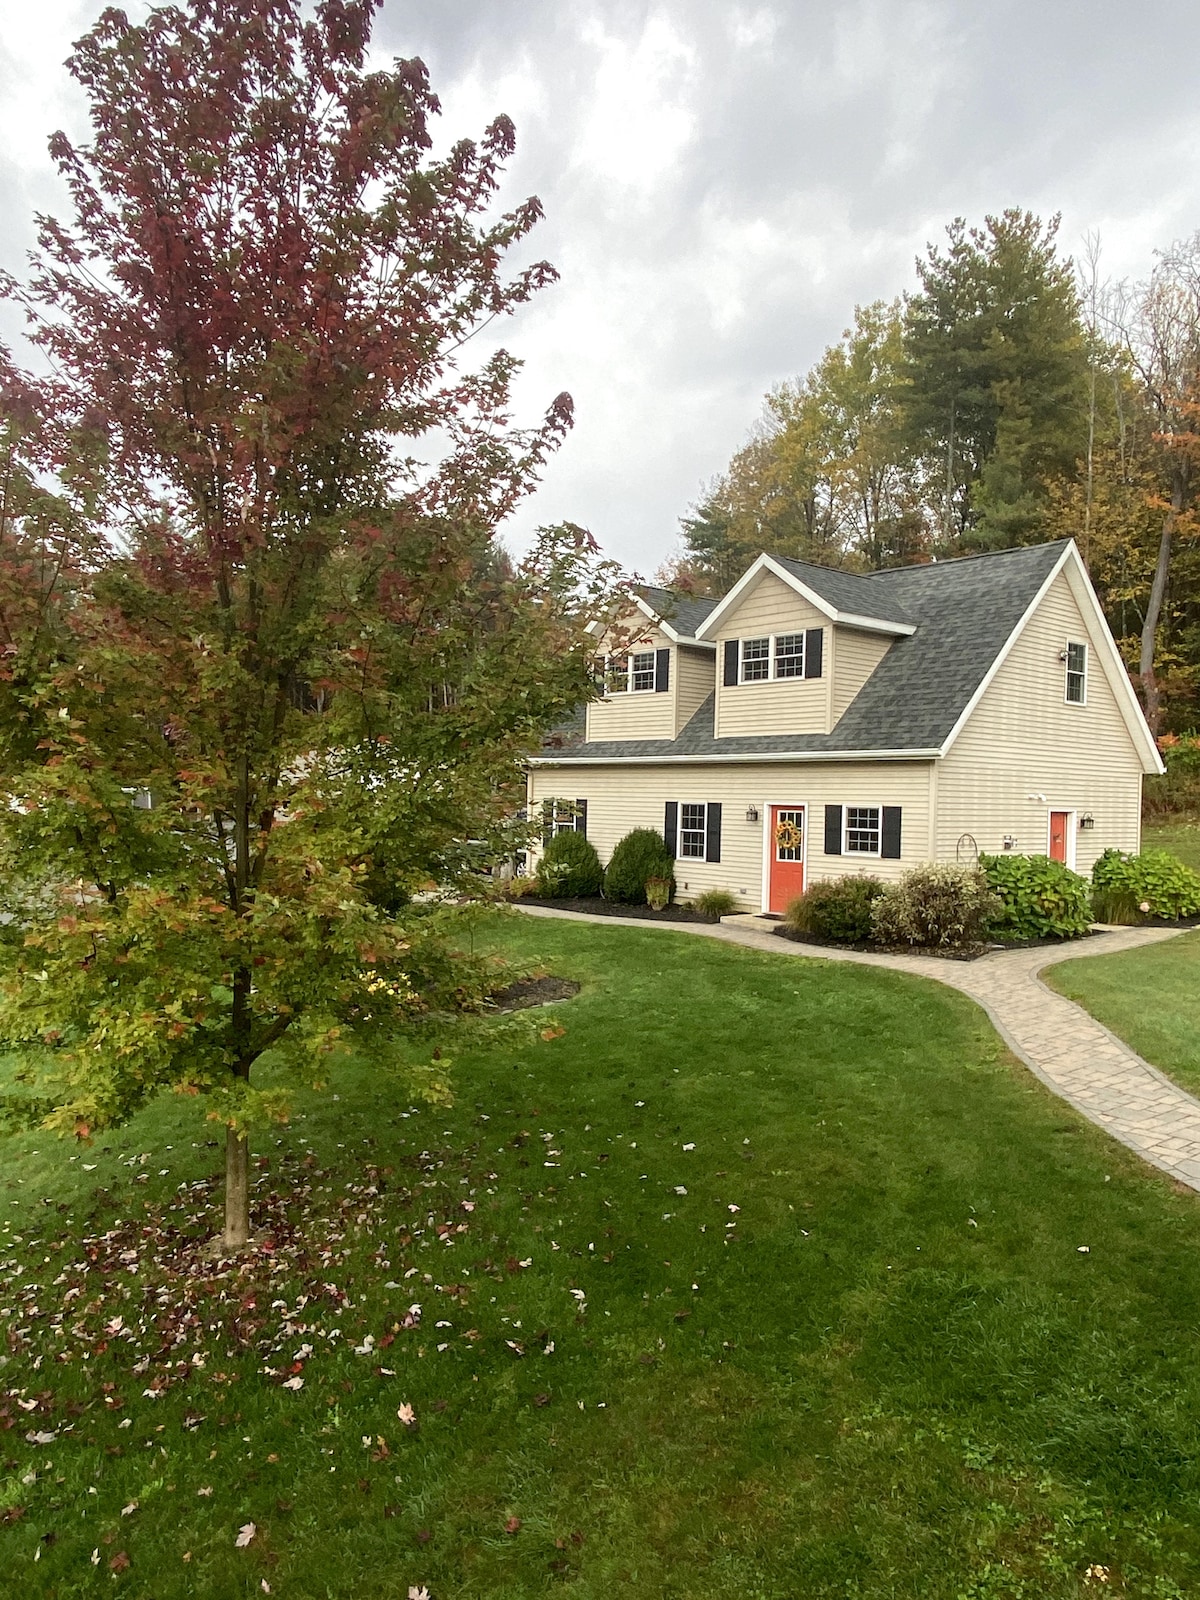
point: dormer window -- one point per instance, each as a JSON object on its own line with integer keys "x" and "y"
{"x": 756, "y": 660}
{"x": 637, "y": 672}
{"x": 774, "y": 656}
{"x": 1076, "y": 659}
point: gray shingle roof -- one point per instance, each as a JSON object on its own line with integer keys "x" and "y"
{"x": 964, "y": 612}
{"x": 853, "y": 592}
{"x": 684, "y": 612}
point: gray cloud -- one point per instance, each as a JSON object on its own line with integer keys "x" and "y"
{"x": 723, "y": 183}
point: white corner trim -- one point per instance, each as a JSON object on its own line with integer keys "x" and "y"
{"x": 1005, "y": 650}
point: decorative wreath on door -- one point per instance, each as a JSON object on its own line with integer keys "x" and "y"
{"x": 787, "y": 835}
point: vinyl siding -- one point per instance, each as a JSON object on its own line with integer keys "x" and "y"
{"x": 694, "y": 678}
{"x": 854, "y": 658}
{"x": 644, "y": 715}
{"x": 787, "y": 705}
{"x": 632, "y": 796}
{"x": 1024, "y": 740}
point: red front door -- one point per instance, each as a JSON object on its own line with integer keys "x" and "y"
{"x": 785, "y": 871}
{"x": 1058, "y": 835}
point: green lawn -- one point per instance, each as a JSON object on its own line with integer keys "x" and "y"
{"x": 1148, "y": 997}
{"x": 1179, "y": 835}
{"x": 763, "y": 1282}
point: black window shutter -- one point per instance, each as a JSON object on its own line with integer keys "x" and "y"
{"x": 671, "y": 828}
{"x": 581, "y": 817}
{"x": 814, "y": 652}
{"x": 662, "y": 671}
{"x": 833, "y": 830}
{"x": 890, "y": 850}
{"x": 547, "y": 822}
{"x": 731, "y": 661}
{"x": 712, "y": 834}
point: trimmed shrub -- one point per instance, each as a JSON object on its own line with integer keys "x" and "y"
{"x": 569, "y": 867}
{"x": 1154, "y": 884}
{"x": 641, "y": 854}
{"x": 715, "y": 903}
{"x": 937, "y": 906}
{"x": 836, "y": 908}
{"x": 1040, "y": 898}
{"x": 658, "y": 893}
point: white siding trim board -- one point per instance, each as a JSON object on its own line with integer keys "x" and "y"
{"x": 723, "y": 760}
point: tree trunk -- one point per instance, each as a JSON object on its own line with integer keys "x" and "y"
{"x": 237, "y": 1191}
{"x": 1158, "y": 593}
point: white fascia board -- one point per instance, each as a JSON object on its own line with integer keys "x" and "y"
{"x": 672, "y": 633}
{"x": 1114, "y": 668}
{"x": 753, "y": 576}
{"x": 847, "y": 619}
{"x": 739, "y": 759}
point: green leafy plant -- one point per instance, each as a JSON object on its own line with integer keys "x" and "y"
{"x": 1178, "y": 789}
{"x": 715, "y": 903}
{"x": 1039, "y": 898}
{"x": 658, "y": 893}
{"x": 836, "y": 908}
{"x": 569, "y": 867}
{"x": 936, "y": 906}
{"x": 640, "y": 855}
{"x": 1153, "y": 884}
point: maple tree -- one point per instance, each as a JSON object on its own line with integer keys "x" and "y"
{"x": 266, "y": 673}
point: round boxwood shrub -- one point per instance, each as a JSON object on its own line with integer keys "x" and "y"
{"x": 1040, "y": 898}
{"x": 641, "y": 854}
{"x": 937, "y": 906}
{"x": 569, "y": 867}
{"x": 836, "y": 908}
{"x": 1154, "y": 884}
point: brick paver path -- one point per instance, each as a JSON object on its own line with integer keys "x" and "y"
{"x": 1072, "y": 1053}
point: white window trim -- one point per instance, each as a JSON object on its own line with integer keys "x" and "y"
{"x": 1072, "y": 829}
{"x": 768, "y": 851}
{"x": 703, "y": 856}
{"x": 1067, "y": 701}
{"x": 568, "y": 825}
{"x": 629, "y": 655}
{"x": 772, "y": 676}
{"x": 861, "y": 805}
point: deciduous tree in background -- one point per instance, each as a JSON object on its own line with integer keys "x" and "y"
{"x": 229, "y": 581}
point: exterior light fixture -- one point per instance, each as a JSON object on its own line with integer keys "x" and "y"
{"x": 1010, "y": 842}
{"x": 1087, "y": 820}
{"x": 751, "y": 813}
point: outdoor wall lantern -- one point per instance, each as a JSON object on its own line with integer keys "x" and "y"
{"x": 1087, "y": 820}
{"x": 751, "y": 813}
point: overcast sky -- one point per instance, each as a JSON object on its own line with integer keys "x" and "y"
{"x": 723, "y": 184}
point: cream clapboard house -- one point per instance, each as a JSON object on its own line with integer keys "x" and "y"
{"x": 816, "y": 722}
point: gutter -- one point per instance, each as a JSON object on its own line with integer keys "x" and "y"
{"x": 721, "y": 760}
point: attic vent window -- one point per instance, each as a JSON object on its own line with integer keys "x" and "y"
{"x": 1077, "y": 674}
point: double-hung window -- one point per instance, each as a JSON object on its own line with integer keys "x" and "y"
{"x": 862, "y": 831}
{"x": 1077, "y": 674}
{"x": 693, "y": 830}
{"x": 567, "y": 816}
{"x": 630, "y": 673}
{"x": 789, "y": 655}
{"x": 756, "y": 660}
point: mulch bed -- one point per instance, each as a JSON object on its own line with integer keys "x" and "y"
{"x": 527, "y": 992}
{"x": 596, "y": 907}
{"x": 967, "y": 952}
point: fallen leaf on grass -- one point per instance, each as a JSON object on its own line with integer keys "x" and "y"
{"x": 127, "y": 1511}
{"x": 418, "y": 1594}
{"x": 406, "y": 1414}
{"x": 294, "y": 1383}
{"x": 245, "y": 1533}
{"x": 513, "y": 1525}
{"x": 119, "y": 1562}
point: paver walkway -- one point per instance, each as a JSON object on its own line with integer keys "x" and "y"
{"x": 1072, "y": 1053}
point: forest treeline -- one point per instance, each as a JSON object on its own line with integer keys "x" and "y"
{"x": 1014, "y": 397}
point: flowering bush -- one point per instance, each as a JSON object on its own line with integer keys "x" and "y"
{"x": 1153, "y": 884}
